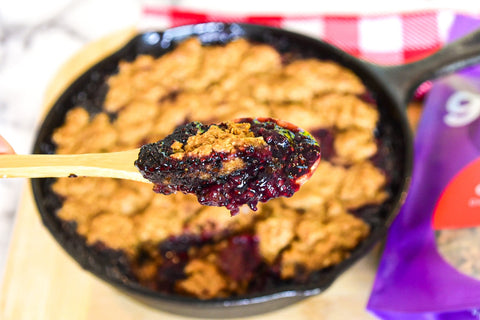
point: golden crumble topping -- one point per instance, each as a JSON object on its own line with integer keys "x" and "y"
{"x": 352, "y": 146}
{"x": 320, "y": 244}
{"x": 106, "y": 228}
{"x": 215, "y": 220}
{"x": 276, "y": 232}
{"x": 204, "y": 280}
{"x": 151, "y": 96}
{"x": 216, "y": 139}
{"x": 363, "y": 184}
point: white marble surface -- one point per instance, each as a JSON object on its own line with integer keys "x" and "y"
{"x": 37, "y": 37}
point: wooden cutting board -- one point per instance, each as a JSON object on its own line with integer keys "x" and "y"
{"x": 42, "y": 282}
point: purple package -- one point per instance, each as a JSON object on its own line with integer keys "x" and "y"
{"x": 422, "y": 275}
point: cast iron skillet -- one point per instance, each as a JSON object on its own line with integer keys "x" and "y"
{"x": 391, "y": 87}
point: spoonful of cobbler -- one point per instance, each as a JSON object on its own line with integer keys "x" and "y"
{"x": 244, "y": 161}
{"x": 232, "y": 163}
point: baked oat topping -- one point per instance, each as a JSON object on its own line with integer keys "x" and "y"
{"x": 216, "y": 139}
{"x": 203, "y": 280}
{"x": 176, "y": 245}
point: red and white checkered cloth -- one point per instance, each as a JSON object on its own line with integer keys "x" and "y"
{"x": 386, "y": 39}
{"x": 383, "y": 39}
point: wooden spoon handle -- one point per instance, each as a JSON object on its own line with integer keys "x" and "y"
{"x": 111, "y": 165}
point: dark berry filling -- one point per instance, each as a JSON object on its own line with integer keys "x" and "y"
{"x": 237, "y": 256}
{"x": 274, "y": 169}
{"x": 326, "y": 137}
{"x": 240, "y": 258}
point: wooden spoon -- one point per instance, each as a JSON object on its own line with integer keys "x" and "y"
{"x": 122, "y": 164}
{"x": 110, "y": 165}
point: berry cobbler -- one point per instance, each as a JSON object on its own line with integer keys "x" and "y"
{"x": 232, "y": 163}
{"x": 172, "y": 243}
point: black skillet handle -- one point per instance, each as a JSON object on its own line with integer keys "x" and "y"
{"x": 404, "y": 79}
